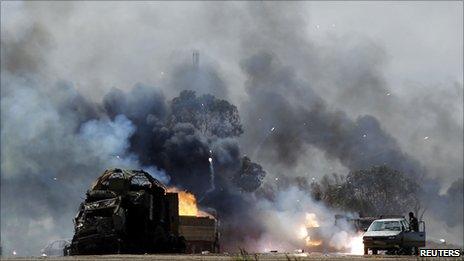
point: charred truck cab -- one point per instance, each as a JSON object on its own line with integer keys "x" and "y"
{"x": 127, "y": 211}
{"x": 394, "y": 236}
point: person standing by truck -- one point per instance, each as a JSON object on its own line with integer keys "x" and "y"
{"x": 414, "y": 227}
{"x": 413, "y": 223}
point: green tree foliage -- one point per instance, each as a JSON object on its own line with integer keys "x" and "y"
{"x": 375, "y": 191}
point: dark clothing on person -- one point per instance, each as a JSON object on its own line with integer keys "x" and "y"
{"x": 413, "y": 224}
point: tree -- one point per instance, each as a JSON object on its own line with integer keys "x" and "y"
{"x": 375, "y": 191}
{"x": 209, "y": 115}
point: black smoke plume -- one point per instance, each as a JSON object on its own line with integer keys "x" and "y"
{"x": 193, "y": 139}
{"x": 278, "y": 99}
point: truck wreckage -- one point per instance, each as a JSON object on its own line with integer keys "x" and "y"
{"x": 129, "y": 211}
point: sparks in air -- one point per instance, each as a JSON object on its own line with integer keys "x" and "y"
{"x": 272, "y": 129}
{"x": 210, "y": 160}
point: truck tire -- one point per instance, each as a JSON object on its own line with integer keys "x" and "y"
{"x": 119, "y": 247}
{"x": 407, "y": 251}
{"x": 366, "y": 250}
{"x": 375, "y": 251}
{"x": 182, "y": 245}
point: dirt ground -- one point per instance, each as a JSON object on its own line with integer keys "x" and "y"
{"x": 250, "y": 257}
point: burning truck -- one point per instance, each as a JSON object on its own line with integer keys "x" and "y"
{"x": 129, "y": 211}
{"x": 199, "y": 228}
{"x": 337, "y": 237}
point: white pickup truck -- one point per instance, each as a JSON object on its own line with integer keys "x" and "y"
{"x": 394, "y": 236}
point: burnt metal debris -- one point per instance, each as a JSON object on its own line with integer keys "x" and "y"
{"x": 127, "y": 211}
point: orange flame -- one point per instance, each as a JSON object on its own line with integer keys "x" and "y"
{"x": 310, "y": 242}
{"x": 188, "y": 203}
{"x": 311, "y": 220}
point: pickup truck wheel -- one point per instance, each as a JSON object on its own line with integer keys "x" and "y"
{"x": 406, "y": 251}
{"x": 118, "y": 247}
{"x": 375, "y": 251}
{"x": 366, "y": 250}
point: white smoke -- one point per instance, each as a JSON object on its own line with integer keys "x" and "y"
{"x": 285, "y": 222}
{"x": 49, "y": 158}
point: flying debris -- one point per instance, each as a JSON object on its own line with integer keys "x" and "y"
{"x": 426, "y": 137}
{"x": 272, "y": 129}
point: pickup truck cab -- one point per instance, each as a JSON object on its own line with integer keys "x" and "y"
{"x": 394, "y": 236}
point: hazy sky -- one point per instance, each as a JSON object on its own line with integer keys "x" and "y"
{"x": 423, "y": 40}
